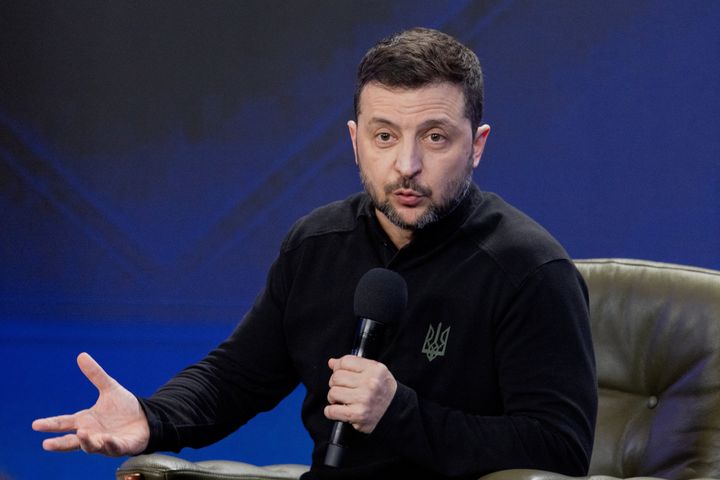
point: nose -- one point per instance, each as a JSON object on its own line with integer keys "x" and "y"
{"x": 408, "y": 162}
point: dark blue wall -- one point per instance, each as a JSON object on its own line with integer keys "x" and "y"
{"x": 153, "y": 154}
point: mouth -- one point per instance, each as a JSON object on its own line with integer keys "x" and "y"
{"x": 407, "y": 197}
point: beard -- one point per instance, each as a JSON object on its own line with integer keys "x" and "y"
{"x": 456, "y": 190}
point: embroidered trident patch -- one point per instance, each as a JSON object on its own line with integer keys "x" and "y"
{"x": 435, "y": 342}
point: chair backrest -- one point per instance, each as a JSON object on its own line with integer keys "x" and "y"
{"x": 656, "y": 331}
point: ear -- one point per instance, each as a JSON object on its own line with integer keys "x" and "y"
{"x": 479, "y": 141}
{"x": 352, "y": 128}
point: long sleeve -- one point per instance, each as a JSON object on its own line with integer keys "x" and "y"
{"x": 546, "y": 374}
{"x": 512, "y": 386}
{"x": 248, "y": 373}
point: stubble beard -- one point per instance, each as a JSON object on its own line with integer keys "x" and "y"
{"x": 457, "y": 190}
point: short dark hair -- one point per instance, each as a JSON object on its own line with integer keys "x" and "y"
{"x": 421, "y": 56}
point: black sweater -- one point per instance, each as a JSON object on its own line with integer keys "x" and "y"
{"x": 514, "y": 388}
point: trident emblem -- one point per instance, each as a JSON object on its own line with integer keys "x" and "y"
{"x": 435, "y": 342}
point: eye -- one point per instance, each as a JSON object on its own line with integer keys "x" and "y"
{"x": 436, "y": 138}
{"x": 384, "y": 138}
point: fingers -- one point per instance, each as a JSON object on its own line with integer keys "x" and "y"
{"x": 94, "y": 372}
{"x": 101, "y": 443}
{"x": 61, "y": 423}
{"x": 345, "y": 378}
{"x": 362, "y": 417}
{"x": 345, "y": 413}
{"x": 360, "y": 391}
{"x": 66, "y": 443}
{"x": 351, "y": 363}
{"x": 354, "y": 372}
{"x": 349, "y": 382}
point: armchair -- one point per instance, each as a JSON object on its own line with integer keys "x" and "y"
{"x": 656, "y": 331}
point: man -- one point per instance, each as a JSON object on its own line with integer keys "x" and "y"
{"x": 490, "y": 367}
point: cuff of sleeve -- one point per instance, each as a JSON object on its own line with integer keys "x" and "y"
{"x": 161, "y": 433}
{"x": 397, "y": 413}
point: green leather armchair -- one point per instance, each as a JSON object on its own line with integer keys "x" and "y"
{"x": 656, "y": 331}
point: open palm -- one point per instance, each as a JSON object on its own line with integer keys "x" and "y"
{"x": 116, "y": 425}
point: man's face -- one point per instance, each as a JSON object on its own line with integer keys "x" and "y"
{"x": 416, "y": 151}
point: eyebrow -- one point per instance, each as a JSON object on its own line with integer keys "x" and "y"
{"x": 429, "y": 123}
{"x": 381, "y": 121}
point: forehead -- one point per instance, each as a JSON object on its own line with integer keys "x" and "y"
{"x": 442, "y": 100}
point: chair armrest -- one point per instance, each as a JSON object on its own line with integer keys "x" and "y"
{"x": 528, "y": 474}
{"x": 165, "y": 467}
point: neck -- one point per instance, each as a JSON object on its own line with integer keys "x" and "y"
{"x": 399, "y": 236}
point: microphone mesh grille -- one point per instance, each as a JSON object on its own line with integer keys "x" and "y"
{"x": 381, "y": 295}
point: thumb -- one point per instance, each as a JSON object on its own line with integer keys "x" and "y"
{"x": 94, "y": 372}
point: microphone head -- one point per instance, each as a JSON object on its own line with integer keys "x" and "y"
{"x": 381, "y": 295}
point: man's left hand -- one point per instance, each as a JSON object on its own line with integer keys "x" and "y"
{"x": 360, "y": 391}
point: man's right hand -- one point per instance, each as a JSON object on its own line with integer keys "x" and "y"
{"x": 116, "y": 425}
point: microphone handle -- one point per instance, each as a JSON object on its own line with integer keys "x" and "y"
{"x": 366, "y": 346}
{"x": 336, "y": 448}
{"x": 367, "y": 338}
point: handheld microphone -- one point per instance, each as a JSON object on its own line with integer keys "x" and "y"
{"x": 380, "y": 299}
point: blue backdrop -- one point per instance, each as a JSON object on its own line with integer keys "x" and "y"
{"x": 153, "y": 154}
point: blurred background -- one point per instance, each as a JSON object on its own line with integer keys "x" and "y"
{"x": 154, "y": 154}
